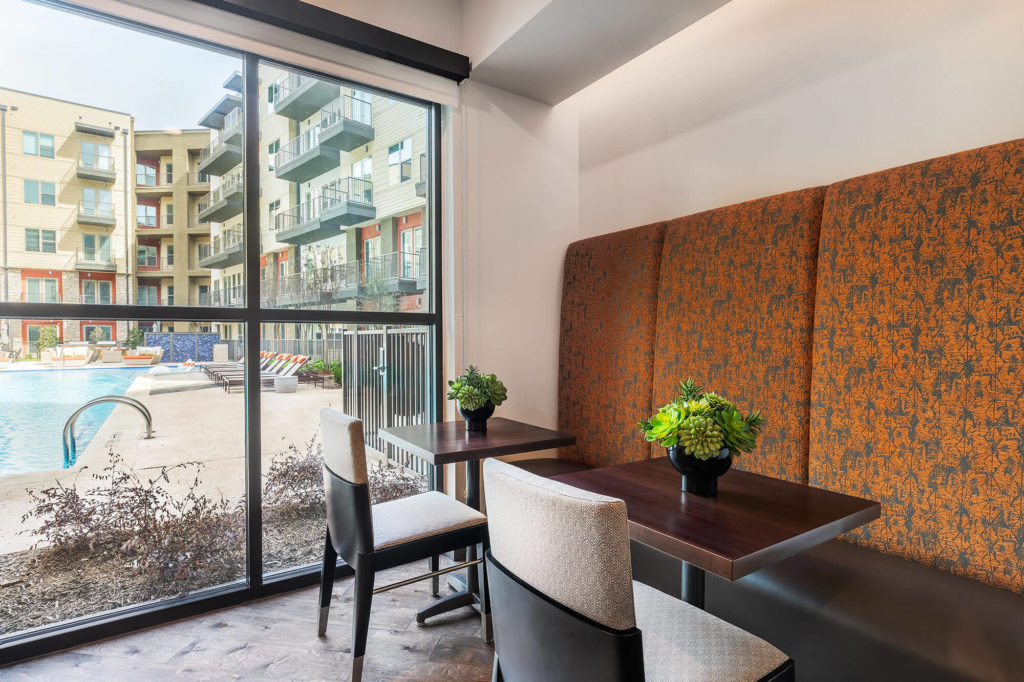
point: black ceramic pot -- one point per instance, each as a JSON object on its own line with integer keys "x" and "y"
{"x": 476, "y": 420}
{"x": 700, "y": 476}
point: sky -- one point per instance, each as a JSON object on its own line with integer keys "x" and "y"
{"x": 163, "y": 83}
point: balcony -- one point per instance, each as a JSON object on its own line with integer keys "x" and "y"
{"x": 223, "y": 251}
{"x": 346, "y": 123}
{"x": 393, "y": 274}
{"x": 216, "y": 116}
{"x": 97, "y": 213}
{"x": 95, "y": 260}
{"x": 421, "y": 184}
{"x": 347, "y": 202}
{"x": 99, "y": 167}
{"x": 228, "y": 297}
{"x": 90, "y": 129}
{"x": 318, "y": 287}
{"x": 301, "y": 224}
{"x": 298, "y": 97}
{"x": 223, "y": 202}
{"x": 220, "y": 156}
{"x": 198, "y": 183}
{"x": 158, "y": 183}
{"x": 304, "y": 158}
{"x": 198, "y": 227}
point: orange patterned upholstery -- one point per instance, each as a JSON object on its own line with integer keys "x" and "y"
{"x": 735, "y": 312}
{"x": 607, "y": 343}
{"x": 918, "y": 392}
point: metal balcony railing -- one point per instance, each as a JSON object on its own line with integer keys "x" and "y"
{"x": 220, "y": 243}
{"x": 287, "y": 85}
{"x": 298, "y": 146}
{"x": 230, "y": 184}
{"x": 41, "y": 296}
{"x": 231, "y": 121}
{"x": 346, "y": 107}
{"x": 216, "y": 144}
{"x": 154, "y": 179}
{"x": 94, "y": 161}
{"x": 297, "y": 215}
{"x": 226, "y": 297}
{"x": 98, "y": 209}
{"x": 99, "y": 258}
{"x": 357, "y": 190}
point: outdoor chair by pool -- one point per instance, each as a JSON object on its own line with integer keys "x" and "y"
{"x": 566, "y": 608}
{"x": 383, "y": 536}
{"x": 285, "y": 369}
{"x": 273, "y": 363}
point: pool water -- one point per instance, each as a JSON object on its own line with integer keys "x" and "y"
{"x": 34, "y": 405}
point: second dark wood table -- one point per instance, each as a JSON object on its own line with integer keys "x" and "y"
{"x": 754, "y": 521}
{"x": 448, "y": 443}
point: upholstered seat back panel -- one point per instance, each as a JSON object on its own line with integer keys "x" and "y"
{"x": 609, "y": 302}
{"x": 918, "y": 390}
{"x": 735, "y": 313}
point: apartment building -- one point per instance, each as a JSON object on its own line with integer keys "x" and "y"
{"x": 342, "y": 205}
{"x": 168, "y": 229}
{"x": 66, "y": 233}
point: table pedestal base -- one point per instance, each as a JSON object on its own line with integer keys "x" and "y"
{"x": 692, "y": 585}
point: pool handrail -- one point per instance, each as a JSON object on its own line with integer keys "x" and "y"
{"x": 71, "y": 451}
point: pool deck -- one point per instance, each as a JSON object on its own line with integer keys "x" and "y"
{"x": 193, "y": 420}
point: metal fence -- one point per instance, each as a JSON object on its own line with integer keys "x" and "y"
{"x": 386, "y": 379}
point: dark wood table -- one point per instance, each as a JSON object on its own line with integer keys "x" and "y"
{"x": 449, "y": 443}
{"x": 755, "y": 520}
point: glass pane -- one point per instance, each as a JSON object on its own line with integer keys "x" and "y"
{"x": 383, "y": 375}
{"x": 119, "y": 141}
{"x": 322, "y": 202}
{"x": 114, "y": 519}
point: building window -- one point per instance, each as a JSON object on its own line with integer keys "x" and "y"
{"x": 96, "y": 291}
{"x": 41, "y": 289}
{"x": 411, "y": 246}
{"x": 96, "y": 247}
{"x": 169, "y": 249}
{"x": 282, "y": 268}
{"x": 42, "y": 241}
{"x": 272, "y": 208}
{"x": 97, "y": 156}
{"x": 145, "y": 215}
{"x": 97, "y": 202}
{"x": 146, "y": 256}
{"x": 272, "y": 150}
{"x": 37, "y": 144}
{"x": 273, "y": 90}
{"x": 148, "y": 294}
{"x": 169, "y": 173}
{"x": 169, "y": 214}
{"x": 363, "y": 169}
{"x": 400, "y": 161}
{"x": 145, "y": 175}
{"x": 106, "y": 332}
{"x": 39, "y": 192}
{"x": 170, "y": 294}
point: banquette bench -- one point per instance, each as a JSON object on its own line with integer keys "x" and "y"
{"x": 878, "y": 323}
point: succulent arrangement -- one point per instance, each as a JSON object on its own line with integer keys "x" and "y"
{"x": 475, "y": 390}
{"x": 703, "y": 424}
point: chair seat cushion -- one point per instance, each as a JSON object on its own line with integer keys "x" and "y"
{"x": 845, "y": 612}
{"x": 420, "y": 516}
{"x": 550, "y": 466}
{"x": 683, "y": 642}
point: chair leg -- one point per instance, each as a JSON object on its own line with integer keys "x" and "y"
{"x": 496, "y": 671}
{"x": 326, "y": 584}
{"x": 485, "y": 597}
{"x": 362, "y": 595}
{"x": 435, "y": 582}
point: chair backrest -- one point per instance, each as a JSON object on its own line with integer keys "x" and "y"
{"x": 293, "y": 366}
{"x": 561, "y": 583}
{"x": 349, "y": 518}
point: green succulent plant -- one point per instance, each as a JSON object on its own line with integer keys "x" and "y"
{"x": 703, "y": 424}
{"x": 475, "y": 390}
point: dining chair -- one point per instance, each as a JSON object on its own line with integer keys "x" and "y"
{"x": 378, "y": 537}
{"x": 566, "y": 607}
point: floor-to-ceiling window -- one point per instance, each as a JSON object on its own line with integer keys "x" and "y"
{"x": 161, "y": 381}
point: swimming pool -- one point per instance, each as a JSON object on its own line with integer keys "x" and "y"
{"x": 34, "y": 404}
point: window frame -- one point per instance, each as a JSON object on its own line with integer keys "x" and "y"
{"x": 248, "y": 318}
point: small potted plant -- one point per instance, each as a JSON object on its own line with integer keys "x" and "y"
{"x": 477, "y": 395}
{"x": 703, "y": 432}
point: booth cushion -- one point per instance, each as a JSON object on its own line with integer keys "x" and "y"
{"x": 606, "y": 354}
{"x": 919, "y": 333}
{"x": 735, "y": 313}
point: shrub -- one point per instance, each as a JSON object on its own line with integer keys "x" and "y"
{"x": 48, "y": 338}
{"x": 335, "y": 368}
{"x": 134, "y": 338}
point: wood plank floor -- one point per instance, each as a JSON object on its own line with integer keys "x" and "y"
{"x": 275, "y": 639}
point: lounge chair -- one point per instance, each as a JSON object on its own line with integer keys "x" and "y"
{"x": 287, "y": 369}
{"x": 275, "y": 364}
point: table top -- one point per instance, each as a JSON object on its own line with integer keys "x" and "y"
{"x": 449, "y": 442}
{"x": 754, "y": 521}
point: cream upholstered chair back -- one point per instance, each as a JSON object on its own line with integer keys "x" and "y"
{"x": 569, "y": 544}
{"x": 344, "y": 451}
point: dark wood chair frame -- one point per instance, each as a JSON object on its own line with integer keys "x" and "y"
{"x": 536, "y": 638}
{"x": 350, "y": 536}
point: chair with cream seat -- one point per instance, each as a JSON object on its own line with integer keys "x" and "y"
{"x": 565, "y": 605}
{"x": 374, "y": 538}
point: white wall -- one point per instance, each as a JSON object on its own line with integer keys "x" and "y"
{"x": 764, "y": 96}
{"x": 519, "y": 186}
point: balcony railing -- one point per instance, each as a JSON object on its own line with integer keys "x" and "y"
{"x": 227, "y": 297}
{"x": 298, "y": 146}
{"x": 398, "y": 273}
{"x": 196, "y": 179}
{"x": 229, "y": 185}
{"x": 220, "y": 243}
{"x": 154, "y": 179}
{"x": 93, "y": 166}
{"x": 346, "y": 107}
{"x": 167, "y": 262}
{"x": 94, "y": 259}
{"x": 96, "y": 209}
{"x": 297, "y": 215}
{"x": 357, "y": 190}
{"x": 41, "y": 297}
{"x": 232, "y": 121}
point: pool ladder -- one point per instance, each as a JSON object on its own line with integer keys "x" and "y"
{"x": 71, "y": 452}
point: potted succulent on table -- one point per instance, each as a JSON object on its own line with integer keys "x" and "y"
{"x": 477, "y": 395}
{"x": 703, "y": 432}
